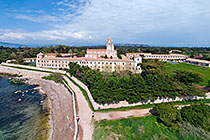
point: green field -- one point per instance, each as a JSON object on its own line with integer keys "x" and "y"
{"x": 145, "y": 128}
{"x": 203, "y": 71}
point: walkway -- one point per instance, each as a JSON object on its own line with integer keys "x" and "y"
{"x": 85, "y": 113}
{"x": 116, "y": 115}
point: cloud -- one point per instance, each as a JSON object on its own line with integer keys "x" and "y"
{"x": 39, "y": 19}
{"x": 154, "y": 21}
{"x": 48, "y": 35}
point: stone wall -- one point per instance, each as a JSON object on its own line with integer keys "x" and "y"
{"x": 34, "y": 68}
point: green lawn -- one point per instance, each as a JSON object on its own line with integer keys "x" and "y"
{"x": 203, "y": 71}
{"x": 145, "y": 128}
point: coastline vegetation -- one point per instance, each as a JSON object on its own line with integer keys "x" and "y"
{"x": 17, "y": 80}
{"x": 43, "y": 123}
{"x": 9, "y": 75}
{"x": 56, "y": 77}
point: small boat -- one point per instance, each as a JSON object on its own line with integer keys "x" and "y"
{"x": 19, "y": 100}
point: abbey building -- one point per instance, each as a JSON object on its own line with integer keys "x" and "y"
{"x": 101, "y": 59}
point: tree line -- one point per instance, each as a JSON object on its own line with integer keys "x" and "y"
{"x": 151, "y": 84}
{"x": 27, "y": 52}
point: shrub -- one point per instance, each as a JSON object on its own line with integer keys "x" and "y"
{"x": 188, "y": 130}
{"x": 56, "y": 77}
{"x": 169, "y": 115}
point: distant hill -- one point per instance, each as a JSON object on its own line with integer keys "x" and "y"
{"x": 13, "y": 45}
{"x": 16, "y": 45}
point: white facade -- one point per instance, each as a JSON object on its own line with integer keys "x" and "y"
{"x": 108, "y": 65}
{"x": 161, "y": 57}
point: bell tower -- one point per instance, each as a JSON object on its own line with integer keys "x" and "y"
{"x": 109, "y": 45}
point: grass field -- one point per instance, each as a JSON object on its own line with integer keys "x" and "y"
{"x": 203, "y": 71}
{"x": 145, "y": 128}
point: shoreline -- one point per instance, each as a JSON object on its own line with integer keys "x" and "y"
{"x": 56, "y": 102}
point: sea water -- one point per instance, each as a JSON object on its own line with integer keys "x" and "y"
{"x": 18, "y": 119}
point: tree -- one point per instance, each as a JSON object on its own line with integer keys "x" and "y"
{"x": 70, "y": 51}
{"x": 208, "y": 83}
{"x": 197, "y": 115}
{"x": 13, "y": 55}
{"x": 169, "y": 115}
{"x": 75, "y": 50}
{"x": 19, "y": 58}
{"x": 152, "y": 67}
{"x": 187, "y": 77}
{"x": 58, "y": 55}
{"x": 82, "y": 53}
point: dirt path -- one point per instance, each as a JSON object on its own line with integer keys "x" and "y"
{"x": 84, "y": 113}
{"x": 61, "y": 108}
{"x": 116, "y": 115}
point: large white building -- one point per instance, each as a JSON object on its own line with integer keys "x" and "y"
{"x": 203, "y": 63}
{"x": 94, "y": 59}
{"x": 161, "y": 57}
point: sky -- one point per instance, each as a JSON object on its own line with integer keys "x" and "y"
{"x": 86, "y": 22}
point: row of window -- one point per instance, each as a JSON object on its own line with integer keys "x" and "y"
{"x": 164, "y": 56}
{"x": 107, "y": 67}
{"x": 52, "y": 65}
{"x": 99, "y": 67}
{"x": 52, "y": 61}
{"x": 81, "y": 62}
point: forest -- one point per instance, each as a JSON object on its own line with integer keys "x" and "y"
{"x": 151, "y": 84}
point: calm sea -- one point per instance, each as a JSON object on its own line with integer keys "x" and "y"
{"x": 18, "y": 120}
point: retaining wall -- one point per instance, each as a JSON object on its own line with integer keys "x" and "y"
{"x": 34, "y": 68}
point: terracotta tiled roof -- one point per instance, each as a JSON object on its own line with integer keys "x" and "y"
{"x": 57, "y": 53}
{"x": 165, "y": 55}
{"x": 51, "y": 53}
{"x": 109, "y": 39}
{"x": 29, "y": 58}
{"x": 87, "y": 59}
{"x": 96, "y": 53}
{"x": 96, "y": 50}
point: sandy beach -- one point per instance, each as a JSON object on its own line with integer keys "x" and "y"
{"x": 60, "y": 102}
